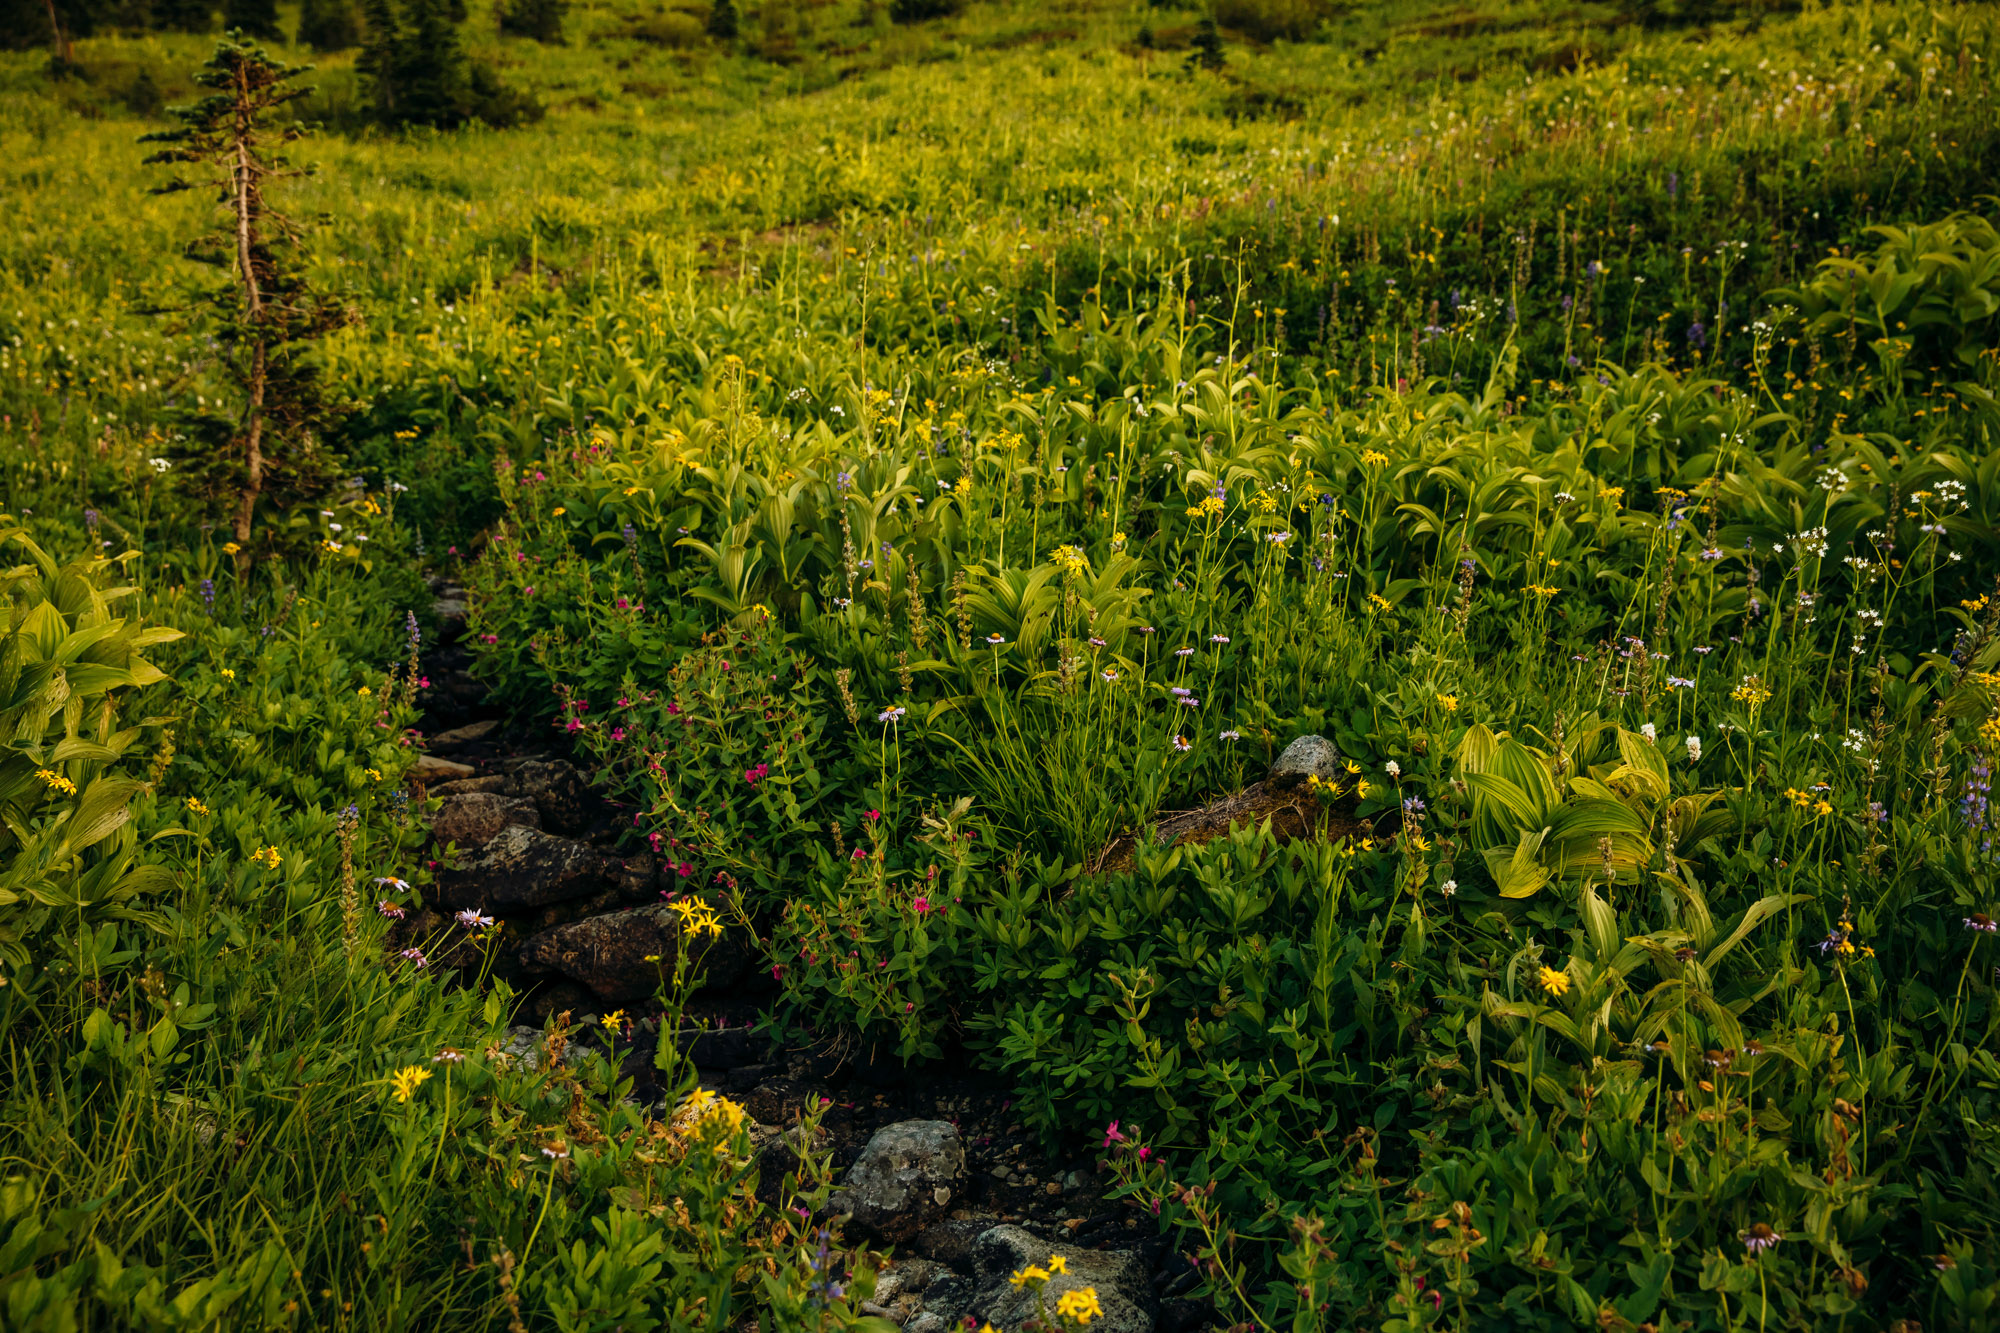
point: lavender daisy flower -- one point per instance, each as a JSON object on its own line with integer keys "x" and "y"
{"x": 1758, "y": 1238}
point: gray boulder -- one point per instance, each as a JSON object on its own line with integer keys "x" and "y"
{"x": 1305, "y": 758}
{"x": 905, "y": 1179}
{"x": 622, "y": 956}
{"x": 1117, "y": 1276}
{"x": 524, "y": 867}
{"x": 429, "y": 768}
{"x": 470, "y": 819}
{"x": 459, "y": 737}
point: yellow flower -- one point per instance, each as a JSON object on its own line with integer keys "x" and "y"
{"x": 1264, "y": 502}
{"x": 1058, "y": 1263}
{"x": 1351, "y": 766}
{"x": 1552, "y": 981}
{"x": 1373, "y": 458}
{"x": 707, "y": 1114}
{"x": 1612, "y": 493}
{"x": 1361, "y": 789}
{"x": 558, "y": 511}
{"x": 1071, "y": 560}
{"x": 1448, "y": 702}
{"x": 268, "y": 857}
{"x": 1079, "y": 1306}
{"x": 1379, "y": 602}
{"x": 613, "y": 1020}
{"x": 407, "y": 1080}
{"x": 697, "y": 917}
{"x": 230, "y": 548}
{"x": 631, "y": 490}
{"x": 365, "y": 692}
{"x": 55, "y": 781}
{"x": 227, "y": 674}
{"x": 1032, "y": 1273}
{"x": 1752, "y": 691}
{"x": 375, "y": 774}
{"x": 196, "y": 807}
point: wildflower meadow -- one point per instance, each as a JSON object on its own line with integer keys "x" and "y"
{"x": 1120, "y": 664}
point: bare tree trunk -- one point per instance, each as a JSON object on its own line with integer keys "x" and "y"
{"x": 247, "y": 205}
{"x": 63, "y": 51}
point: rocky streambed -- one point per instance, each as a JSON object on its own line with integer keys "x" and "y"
{"x": 930, "y": 1160}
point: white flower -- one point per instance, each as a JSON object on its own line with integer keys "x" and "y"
{"x": 1448, "y": 888}
{"x": 1393, "y": 769}
{"x": 160, "y": 464}
{"x": 1694, "y": 748}
{"x": 1649, "y": 731}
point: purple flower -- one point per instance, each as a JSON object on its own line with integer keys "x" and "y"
{"x": 1758, "y": 1238}
{"x": 471, "y": 919}
{"x": 390, "y": 910}
{"x": 415, "y": 956}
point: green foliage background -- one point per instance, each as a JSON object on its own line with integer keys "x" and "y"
{"x": 914, "y": 451}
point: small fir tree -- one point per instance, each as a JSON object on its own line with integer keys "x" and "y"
{"x": 1207, "y": 53}
{"x": 328, "y": 25}
{"x": 539, "y": 19}
{"x": 264, "y": 317}
{"x": 253, "y": 18}
{"x": 183, "y": 15}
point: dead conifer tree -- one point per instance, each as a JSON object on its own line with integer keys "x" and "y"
{"x": 265, "y": 315}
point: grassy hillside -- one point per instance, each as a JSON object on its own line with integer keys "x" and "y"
{"x": 923, "y": 460}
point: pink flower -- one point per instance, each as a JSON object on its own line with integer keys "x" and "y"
{"x": 416, "y": 956}
{"x": 1111, "y": 1135}
{"x": 1145, "y": 1154}
{"x": 489, "y": 638}
{"x": 390, "y": 910}
{"x": 873, "y": 815}
{"x": 777, "y": 970}
{"x": 922, "y": 905}
{"x": 618, "y": 733}
{"x": 622, "y": 603}
{"x": 683, "y": 870}
{"x": 858, "y": 854}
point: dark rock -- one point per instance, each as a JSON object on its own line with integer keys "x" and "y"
{"x": 637, "y": 876}
{"x": 622, "y": 956}
{"x": 774, "y": 1101}
{"x": 946, "y": 1297}
{"x": 525, "y": 867}
{"x": 950, "y": 1242}
{"x": 1184, "y": 1314}
{"x": 723, "y": 1048}
{"x": 555, "y": 786}
{"x": 784, "y": 1154}
{"x": 491, "y": 782}
{"x": 903, "y": 1288}
{"x": 554, "y": 998}
{"x": 1118, "y": 1277}
{"x": 1306, "y": 758}
{"x": 907, "y": 1178}
{"x": 470, "y": 819}
{"x": 451, "y": 613}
